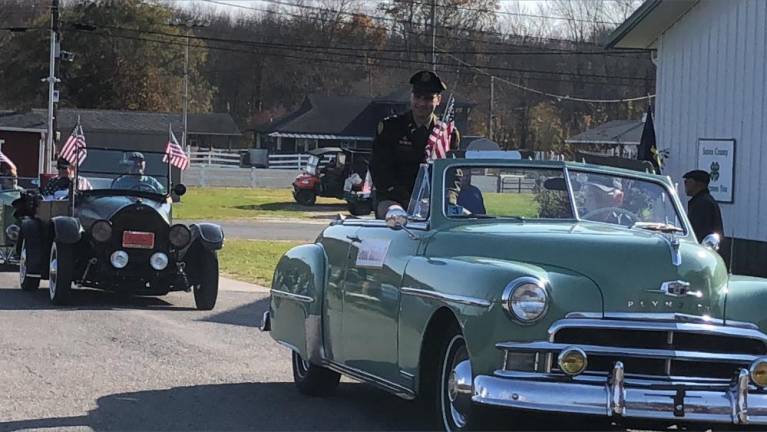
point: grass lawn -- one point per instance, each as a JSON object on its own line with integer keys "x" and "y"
{"x": 244, "y": 203}
{"x": 511, "y": 204}
{"x": 252, "y": 260}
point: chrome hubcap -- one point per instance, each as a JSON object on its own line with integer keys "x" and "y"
{"x": 23, "y": 264}
{"x": 457, "y": 388}
{"x": 53, "y": 272}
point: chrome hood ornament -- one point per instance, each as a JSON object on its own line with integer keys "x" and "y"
{"x": 677, "y": 289}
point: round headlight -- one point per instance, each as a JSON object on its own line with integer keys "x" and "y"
{"x": 119, "y": 259}
{"x": 179, "y": 236}
{"x": 158, "y": 261}
{"x": 12, "y": 232}
{"x": 101, "y": 231}
{"x": 572, "y": 361}
{"x": 526, "y": 299}
{"x": 758, "y": 372}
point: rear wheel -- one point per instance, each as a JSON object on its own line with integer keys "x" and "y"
{"x": 313, "y": 380}
{"x": 360, "y": 208}
{"x": 306, "y": 197}
{"x": 206, "y": 291}
{"x": 27, "y": 282}
{"x": 60, "y": 272}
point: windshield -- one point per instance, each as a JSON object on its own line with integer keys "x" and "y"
{"x": 106, "y": 169}
{"x": 542, "y": 193}
{"x": 311, "y": 165}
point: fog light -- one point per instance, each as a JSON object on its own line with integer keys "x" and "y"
{"x": 572, "y": 361}
{"x": 158, "y": 261}
{"x": 119, "y": 259}
{"x": 758, "y": 371}
{"x": 12, "y": 232}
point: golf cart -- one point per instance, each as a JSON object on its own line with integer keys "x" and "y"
{"x": 345, "y": 177}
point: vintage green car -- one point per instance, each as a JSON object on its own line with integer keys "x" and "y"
{"x": 530, "y": 285}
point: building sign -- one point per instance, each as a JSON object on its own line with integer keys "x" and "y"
{"x": 717, "y": 157}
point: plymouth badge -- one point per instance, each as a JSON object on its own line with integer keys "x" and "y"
{"x": 677, "y": 289}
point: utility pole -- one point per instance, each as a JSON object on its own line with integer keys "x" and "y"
{"x": 187, "y": 24}
{"x": 434, "y": 36}
{"x": 52, "y": 80}
{"x": 492, "y": 104}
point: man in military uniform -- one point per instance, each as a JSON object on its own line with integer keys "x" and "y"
{"x": 400, "y": 144}
{"x": 62, "y": 182}
{"x": 702, "y": 209}
{"x": 135, "y": 178}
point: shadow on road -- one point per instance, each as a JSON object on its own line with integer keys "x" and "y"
{"x": 248, "y": 315}
{"x": 293, "y": 206}
{"x": 81, "y": 299}
{"x": 246, "y": 406}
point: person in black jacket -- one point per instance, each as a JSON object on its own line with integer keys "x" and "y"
{"x": 702, "y": 209}
{"x": 400, "y": 143}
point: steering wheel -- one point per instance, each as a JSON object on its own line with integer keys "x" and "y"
{"x": 618, "y": 215}
{"x": 143, "y": 187}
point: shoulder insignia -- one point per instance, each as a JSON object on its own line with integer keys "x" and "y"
{"x": 380, "y": 127}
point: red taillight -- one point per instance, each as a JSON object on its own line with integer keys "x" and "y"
{"x": 138, "y": 239}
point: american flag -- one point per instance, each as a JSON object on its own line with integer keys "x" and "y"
{"x": 74, "y": 150}
{"x": 175, "y": 153}
{"x": 7, "y": 160}
{"x": 439, "y": 140}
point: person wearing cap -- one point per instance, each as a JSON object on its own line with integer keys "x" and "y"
{"x": 702, "y": 209}
{"x": 399, "y": 147}
{"x": 62, "y": 182}
{"x": 603, "y": 200}
{"x": 135, "y": 179}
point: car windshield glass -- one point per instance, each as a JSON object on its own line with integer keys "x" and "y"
{"x": 143, "y": 171}
{"x": 625, "y": 201}
{"x": 506, "y": 192}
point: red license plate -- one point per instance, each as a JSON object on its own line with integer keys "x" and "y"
{"x": 138, "y": 239}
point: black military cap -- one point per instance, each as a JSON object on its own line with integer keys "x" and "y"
{"x": 135, "y": 156}
{"x": 699, "y": 176}
{"x": 427, "y": 82}
{"x": 62, "y": 163}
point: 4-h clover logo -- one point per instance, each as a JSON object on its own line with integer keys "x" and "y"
{"x": 714, "y": 171}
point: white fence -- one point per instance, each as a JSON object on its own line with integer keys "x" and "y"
{"x": 224, "y": 158}
{"x": 230, "y": 176}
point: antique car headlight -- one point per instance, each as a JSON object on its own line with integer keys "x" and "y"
{"x": 101, "y": 231}
{"x": 179, "y": 236}
{"x": 572, "y": 361}
{"x": 525, "y": 299}
{"x": 119, "y": 259}
{"x": 158, "y": 261}
{"x": 758, "y": 371}
{"x": 12, "y": 232}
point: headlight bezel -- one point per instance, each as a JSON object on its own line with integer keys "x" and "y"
{"x": 101, "y": 236}
{"x": 176, "y": 228}
{"x": 753, "y": 371}
{"x": 513, "y": 287}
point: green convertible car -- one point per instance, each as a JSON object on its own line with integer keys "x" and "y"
{"x": 531, "y": 286}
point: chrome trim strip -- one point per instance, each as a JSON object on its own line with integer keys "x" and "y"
{"x": 656, "y": 382}
{"x": 571, "y": 194}
{"x": 705, "y": 329}
{"x": 33, "y": 275}
{"x": 289, "y": 346}
{"x": 662, "y": 317}
{"x": 630, "y": 352}
{"x": 292, "y": 296}
{"x": 449, "y": 298}
{"x": 398, "y": 390}
{"x": 406, "y": 374}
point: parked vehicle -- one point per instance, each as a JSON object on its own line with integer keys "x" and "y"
{"x": 118, "y": 236}
{"x": 344, "y": 177}
{"x": 530, "y": 286}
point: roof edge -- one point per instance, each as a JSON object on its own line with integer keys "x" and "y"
{"x": 631, "y": 22}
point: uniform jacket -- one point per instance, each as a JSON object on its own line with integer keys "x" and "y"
{"x": 704, "y": 214}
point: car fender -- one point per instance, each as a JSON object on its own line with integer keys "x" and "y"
{"x": 67, "y": 229}
{"x": 473, "y": 292}
{"x": 210, "y": 235}
{"x": 745, "y": 300}
{"x": 296, "y": 300}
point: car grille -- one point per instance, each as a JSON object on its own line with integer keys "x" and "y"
{"x": 142, "y": 219}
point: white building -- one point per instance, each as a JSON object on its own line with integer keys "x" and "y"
{"x": 711, "y": 108}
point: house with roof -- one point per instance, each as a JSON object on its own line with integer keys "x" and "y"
{"x": 619, "y": 138}
{"x": 711, "y": 106}
{"x": 339, "y": 121}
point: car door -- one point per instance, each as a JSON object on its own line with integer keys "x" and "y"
{"x": 371, "y": 299}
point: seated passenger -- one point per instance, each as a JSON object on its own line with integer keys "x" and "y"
{"x": 9, "y": 186}
{"x": 58, "y": 187}
{"x": 470, "y": 197}
{"x": 135, "y": 178}
{"x": 603, "y": 199}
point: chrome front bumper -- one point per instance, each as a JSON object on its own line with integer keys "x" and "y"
{"x": 616, "y": 396}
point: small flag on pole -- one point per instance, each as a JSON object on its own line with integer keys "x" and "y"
{"x": 439, "y": 140}
{"x": 174, "y": 153}
{"x": 648, "y": 149}
{"x": 74, "y": 150}
{"x": 7, "y": 160}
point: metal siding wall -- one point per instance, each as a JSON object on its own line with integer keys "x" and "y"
{"x": 711, "y": 84}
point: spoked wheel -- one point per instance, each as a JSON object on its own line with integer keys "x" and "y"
{"x": 60, "y": 270}
{"x": 313, "y": 380}
{"x": 26, "y": 282}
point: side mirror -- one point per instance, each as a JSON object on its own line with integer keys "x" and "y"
{"x": 396, "y": 217}
{"x": 712, "y": 241}
{"x": 179, "y": 189}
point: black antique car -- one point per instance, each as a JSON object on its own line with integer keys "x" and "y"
{"x": 114, "y": 231}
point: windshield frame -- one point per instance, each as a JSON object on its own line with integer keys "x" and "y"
{"x": 167, "y": 183}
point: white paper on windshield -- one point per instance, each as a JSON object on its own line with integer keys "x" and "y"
{"x": 372, "y": 253}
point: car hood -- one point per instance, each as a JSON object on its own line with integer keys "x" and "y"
{"x": 628, "y": 265}
{"x": 93, "y": 208}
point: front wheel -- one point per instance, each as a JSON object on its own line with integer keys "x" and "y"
{"x": 313, "y": 380}
{"x": 27, "y": 282}
{"x": 454, "y": 386}
{"x": 60, "y": 273}
{"x": 305, "y": 197}
{"x": 206, "y": 291}
{"x": 360, "y": 208}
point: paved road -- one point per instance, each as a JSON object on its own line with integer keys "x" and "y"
{"x": 159, "y": 364}
{"x": 270, "y": 230}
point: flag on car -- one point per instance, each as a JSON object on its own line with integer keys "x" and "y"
{"x": 174, "y": 153}
{"x": 7, "y": 160}
{"x": 648, "y": 150}
{"x": 439, "y": 140}
{"x": 74, "y": 150}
